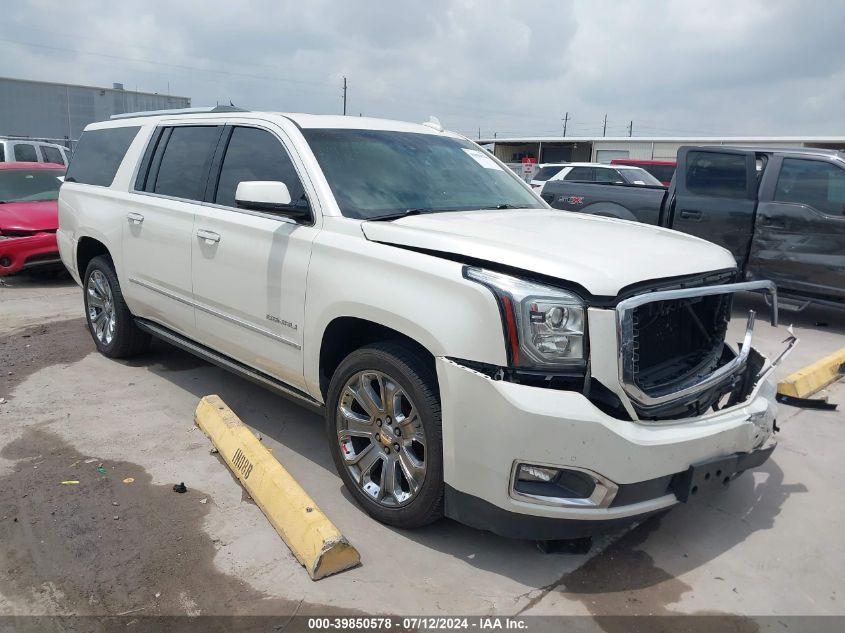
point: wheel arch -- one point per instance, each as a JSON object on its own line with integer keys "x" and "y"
{"x": 87, "y": 248}
{"x": 344, "y": 334}
{"x": 609, "y": 210}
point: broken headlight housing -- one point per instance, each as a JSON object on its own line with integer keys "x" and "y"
{"x": 544, "y": 326}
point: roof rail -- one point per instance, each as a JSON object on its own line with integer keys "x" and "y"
{"x": 203, "y": 110}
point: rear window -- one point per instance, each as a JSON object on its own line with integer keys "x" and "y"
{"x": 51, "y": 155}
{"x": 547, "y": 172}
{"x": 663, "y": 173}
{"x": 25, "y": 153}
{"x": 718, "y": 175}
{"x": 99, "y": 154}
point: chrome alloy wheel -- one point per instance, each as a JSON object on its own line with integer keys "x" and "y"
{"x": 381, "y": 438}
{"x": 101, "y": 313}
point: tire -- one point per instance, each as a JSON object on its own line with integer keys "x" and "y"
{"x": 115, "y": 333}
{"x": 357, "y": 445}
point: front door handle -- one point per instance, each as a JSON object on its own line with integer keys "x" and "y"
{"x": 688, "y": 214}
{"x": 135, "y": 218}
{"x": 210, "y": 237}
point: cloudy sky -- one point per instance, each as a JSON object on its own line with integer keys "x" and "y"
{"x": 674, "y": 67}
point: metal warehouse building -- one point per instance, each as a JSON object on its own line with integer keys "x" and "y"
{"x": 59, "y": 112}
{"x": 604, "y": 149}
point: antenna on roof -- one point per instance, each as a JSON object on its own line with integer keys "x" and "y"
{"x": 434, "y": 123}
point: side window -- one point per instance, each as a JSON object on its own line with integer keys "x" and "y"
{"x": 183, "y": 170}
{"x": 254, "y": 154}
{"x": 51, "y": 154}
{"x": 717, "y": 175}
{"x": 608, "y": 176}
{"x": 812, "y": 182}
{"x": 25, "y": 152}
{"x": 584, "y": 174}
{"x": 98, "y": 155}
{"x": 2, "y": 153}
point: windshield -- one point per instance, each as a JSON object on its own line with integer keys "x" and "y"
{"x": 29, "y": 185}
{"x": 638, "y": 176}
{"x": 547, "y": 172}
{"x": 374, "y": 173}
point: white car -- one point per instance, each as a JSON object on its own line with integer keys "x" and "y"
{"x": 475, "y": 353}
{"x": 596, "y": 172}
{"x": 24, "y": 150}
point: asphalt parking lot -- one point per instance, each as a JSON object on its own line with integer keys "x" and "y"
{"x": 772, "y": 544}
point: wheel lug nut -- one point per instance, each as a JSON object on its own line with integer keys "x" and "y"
{"x": 387, "y": 450}
{"x": 396, "y": 447}
{"x": 388, "y": 419}
{"x": 378, "y": 422}
{"x": 397, "y": 432}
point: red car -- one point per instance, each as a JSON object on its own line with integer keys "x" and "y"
{"x": 663, "y": 170}
{"x": 29, "y": 216}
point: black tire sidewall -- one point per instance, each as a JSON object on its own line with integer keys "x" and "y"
{"x": 124, "y": 318}
{"x": 410, "y": 373}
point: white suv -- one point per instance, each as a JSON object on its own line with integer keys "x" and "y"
{"x": 476, "y": 353}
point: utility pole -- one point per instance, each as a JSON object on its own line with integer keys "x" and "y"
{"x": 479, "y": 134}
{"x": 604, "y": 127}
{"x": 565, "y": 121}
{"x": 631, "y": 128}
{"x": 344, "y": 96}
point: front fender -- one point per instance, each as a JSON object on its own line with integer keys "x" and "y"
{"x": 421, "y": 296}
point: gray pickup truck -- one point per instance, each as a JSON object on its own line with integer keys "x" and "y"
{"x": 781, "y": 212}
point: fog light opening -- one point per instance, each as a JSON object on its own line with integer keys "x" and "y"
{"x": 562, "y": 486}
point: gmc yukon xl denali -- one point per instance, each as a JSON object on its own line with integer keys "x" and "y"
{"x": 475, "y": 353}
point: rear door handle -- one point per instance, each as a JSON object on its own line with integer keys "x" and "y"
{"x": 135, "y": 218}
{"x": 777, "y": 223}
{"x": 209, "y": 236}
{"x": 687, "y": 214}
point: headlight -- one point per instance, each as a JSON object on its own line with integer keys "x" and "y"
{"x": 544, "y": 326}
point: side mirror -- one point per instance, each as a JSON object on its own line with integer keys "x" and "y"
{"x": 270, "y": 196}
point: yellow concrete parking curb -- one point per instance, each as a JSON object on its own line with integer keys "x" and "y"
{"x": 807, "y": 381}
{"x": 310, "y": 535}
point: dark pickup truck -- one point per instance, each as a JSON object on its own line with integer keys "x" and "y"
{"x": 781, "y": 212}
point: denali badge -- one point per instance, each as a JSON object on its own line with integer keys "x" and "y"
{"x": 276, "y": 319}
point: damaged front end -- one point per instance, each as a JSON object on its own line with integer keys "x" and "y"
{"x": 673, "y": 360}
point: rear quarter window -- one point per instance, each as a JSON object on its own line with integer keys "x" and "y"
{"x": 51, "y": 155}
{"x": 98, "y": 155}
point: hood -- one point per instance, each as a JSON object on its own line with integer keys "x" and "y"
{"x": 29, "y": 216}
{"x": 603, "y": 255}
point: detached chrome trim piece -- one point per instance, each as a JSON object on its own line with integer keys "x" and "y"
{"x": 625, "y": 338}
{"x": 213, "y": 312}
{"x": 603, "y": 494}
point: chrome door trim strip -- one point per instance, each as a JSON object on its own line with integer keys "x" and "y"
{"x": 218, "y": 314}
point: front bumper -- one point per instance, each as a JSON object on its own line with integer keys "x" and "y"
{"x": 490, "y": 425}
{"x": 20, "y": 253}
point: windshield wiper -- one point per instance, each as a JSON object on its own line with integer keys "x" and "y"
{"x": 504, "y": 205}
{"x": 404, "y": 214}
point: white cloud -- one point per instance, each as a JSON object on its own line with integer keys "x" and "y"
{"x": 673, "y": 66}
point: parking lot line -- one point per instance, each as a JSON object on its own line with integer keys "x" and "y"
{"x": 311, "y": 536}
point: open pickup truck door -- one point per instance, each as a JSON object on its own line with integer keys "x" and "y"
{"x": 715, "y": 197}
{"x": 799, "y": 237}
